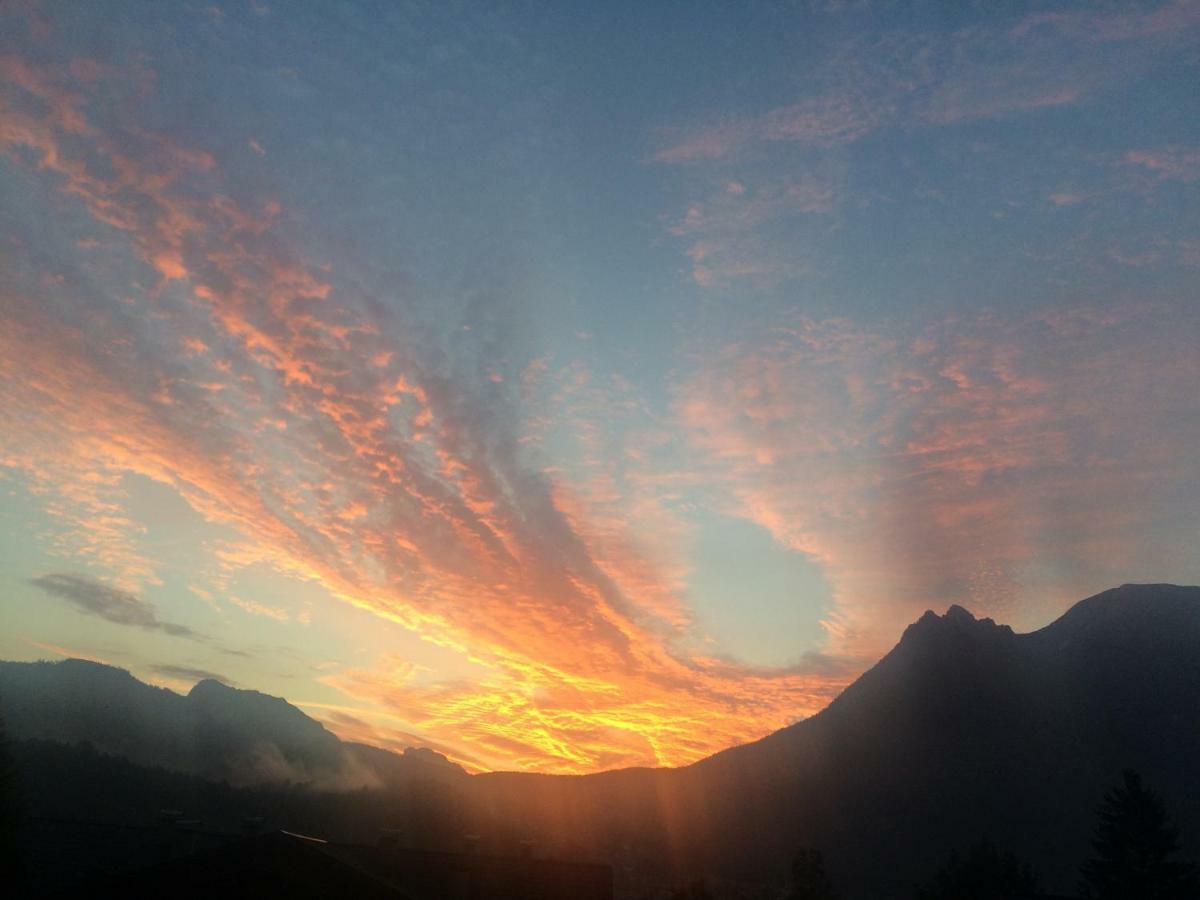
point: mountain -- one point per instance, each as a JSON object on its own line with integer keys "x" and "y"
{"x": 215, "y": 731}
{"x": 965, "y": 730}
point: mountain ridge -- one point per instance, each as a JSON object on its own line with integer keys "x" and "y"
{"x": 964, "y": 730}
{"x": 238, "y": 735}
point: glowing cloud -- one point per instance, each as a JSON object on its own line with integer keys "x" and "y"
{"x": 499, "y": 447}
{"x": 299, "y": 417}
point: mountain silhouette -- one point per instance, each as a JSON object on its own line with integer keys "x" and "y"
{"x": 240, "y": 736}
{"x": 965, "y": 731}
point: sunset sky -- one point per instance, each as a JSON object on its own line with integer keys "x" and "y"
{"x": 580, "y": 385}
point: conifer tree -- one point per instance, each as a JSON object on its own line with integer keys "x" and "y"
{"x": 809, "y": 878}
{"x": 1134, "y": 843}
{"x": 10, "y": 815}
{"x": 984, "y": 873}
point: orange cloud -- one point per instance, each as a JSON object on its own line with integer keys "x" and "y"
{"x": 302, "y": 420}
{"x": 66, "y": 651}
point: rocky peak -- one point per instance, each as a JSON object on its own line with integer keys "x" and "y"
{"x": 957, "y": 623}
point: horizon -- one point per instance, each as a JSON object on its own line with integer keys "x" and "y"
{"x": 180, "y": 689}
{"x": 131, "y": 784}
{"x": 566, "y": 390}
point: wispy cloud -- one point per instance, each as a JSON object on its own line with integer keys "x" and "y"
{"x": 1168, "y": 163}
{"x": 67, "y": 652}
{"x": 987, "y": 460}
{"x": 823, "y": 121}
{"x": 109, "y": 603}
{"x": 293, "y": 412}
{"x": 260, "y": 609}
{"x": 1174, "y": 21}
{"x": 901, "y": 79}
{"x": 724, "y": 231}
{"x": 187, "y": 673}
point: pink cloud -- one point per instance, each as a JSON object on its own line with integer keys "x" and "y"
{"x": 293, "y": 414}
{"x": 723, "y": 244}
{"x": 986, "y": 95}
{"x": 1171, "y": 21}
{"x": 66, "y": 652}
{"x": 713, "y": 142}
{"x": 984, "y": 460}
{"x": 943, "y": 79}
{"x": 1167, "y": 164}
{"x": 1067, "y": 198}
{"x": 823, "y": 121}
{"x": 828, "y": 120}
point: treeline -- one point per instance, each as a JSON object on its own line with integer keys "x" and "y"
{"x": 1136, "y": 847}
{"x": 1136, "y": 857}
{"x": 74, "y": 781}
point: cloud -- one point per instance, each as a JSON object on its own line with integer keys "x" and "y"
{"x": 726, "y": 232}
{"x": 737, "y": 208}
{"x": 66, "y": 651}
{"x": 828, "y": 120}
{"x": 324, "y": 435}
{"x": 999, "y": 94}
{"x": 899, "y": 78}
{"x": 1168, "y": 163}
{"x": 370, "y": 726}
{"x": 1067, "y": 198}
{"x": 796, "y": 159}
{"x": 318, "y": 431}
{"x": 1174, "y": 21}
{"x": 187, "y": 673}
{"x": 259, "y": 609}
{"x": 990, "y": 459}
{"x": 708, "y": 143}
{"x": 112, "y": 604}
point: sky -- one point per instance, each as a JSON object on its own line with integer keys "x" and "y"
{"x": 572, "y": 386}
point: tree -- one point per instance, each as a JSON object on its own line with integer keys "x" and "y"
{"x": 11, "y": 813}
{"x": 809, "y": 879}
{"x": 1134, "y": 843}
{"x": 983, "y": 874}
{"x": 697, "y": 890}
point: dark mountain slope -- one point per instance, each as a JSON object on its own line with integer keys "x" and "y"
{"x": 215, "y": 731}
{"x": 964, "y": 730}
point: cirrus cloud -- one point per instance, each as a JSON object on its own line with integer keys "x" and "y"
{"x": 305, "y": 421}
